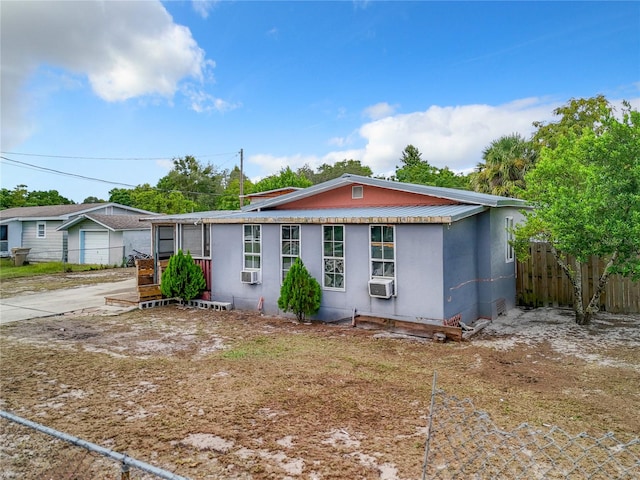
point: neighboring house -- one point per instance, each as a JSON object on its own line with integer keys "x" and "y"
{"x": 106, "y": 239}
{"x": 379, "y": 248}
{"x": 37, "y": 228}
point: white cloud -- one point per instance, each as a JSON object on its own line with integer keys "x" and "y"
{"x": 452, "y": 136}
{"x": 125, "y": 50}
{"x": 201, "y": 101}
{"x": 203, "y": 7}
{"x": 380, "y": 110}
{"x": 272, "y": 164}
{"x": 448, "y": 136}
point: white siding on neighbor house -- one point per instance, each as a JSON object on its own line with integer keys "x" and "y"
{"x": 50, "y": 248}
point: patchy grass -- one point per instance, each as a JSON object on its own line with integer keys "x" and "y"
{"x": 40, "y": 277}
{"x": 241, "y": 396}
{"x": 8, "y": 270}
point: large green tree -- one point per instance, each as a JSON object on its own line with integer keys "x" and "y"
{"x": 230, "y": 199}
{"x": 505, "y": 163}
{"x": 285, "y": 178}
{"x": 199, "y": 183}
{"x": 93, "y": 199}
{"x": 416, "y": 170}
{"x": 20, "y": 196}
{"x": 121, "y": 196}
{"x": 149, "y": 198}
{"x": 327, "y": 172}
{"x": 13, "y": 198}
{"x": 573, "y": 117}
{"x": 586, "y": 197}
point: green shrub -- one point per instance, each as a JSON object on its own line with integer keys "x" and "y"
{"x": 183, "y": 278}
{"x": 300, "y": 292}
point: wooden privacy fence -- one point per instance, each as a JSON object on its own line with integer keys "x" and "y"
{"x": 542, "y": 283}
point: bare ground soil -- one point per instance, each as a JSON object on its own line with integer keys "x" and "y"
{"x": 40, "y": 283}
{"x": 236, "y": 395}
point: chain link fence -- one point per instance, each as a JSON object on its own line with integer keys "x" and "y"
{"x": 464, "y": 443}
{"x": 101, "y": 256}
{"x": 22, "y": 443}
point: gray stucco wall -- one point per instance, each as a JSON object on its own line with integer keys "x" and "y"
{"x": 418, "y": 269}
{"x": 419, "y": 266}
{"x": 504, "y": 273}
{"x": 477, "y": 273}
{"x": 461, "y": 279}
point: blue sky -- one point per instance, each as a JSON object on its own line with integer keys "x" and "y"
{"x": 115, "y": 90}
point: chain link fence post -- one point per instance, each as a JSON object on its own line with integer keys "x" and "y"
{"x": 429, "y": 425}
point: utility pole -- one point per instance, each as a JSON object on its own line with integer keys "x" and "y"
{"x": 241, "y": 179}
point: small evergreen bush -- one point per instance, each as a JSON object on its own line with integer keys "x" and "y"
{"x": 183, "y": 278}
{"x": 300, "y": 292}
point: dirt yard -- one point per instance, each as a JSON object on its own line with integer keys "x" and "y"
{"x": 236, "y": 395}
{"x": 25, "y": 285}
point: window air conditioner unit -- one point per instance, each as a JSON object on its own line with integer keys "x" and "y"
{"x": 250, "y": 276}
{"x": 381, "y": 287}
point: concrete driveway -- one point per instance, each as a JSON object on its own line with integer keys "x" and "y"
{"x": 58, "y": 302}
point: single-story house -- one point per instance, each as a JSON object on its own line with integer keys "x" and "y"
{"x": 37, "y": 228}
{"x": 379, "y": 248}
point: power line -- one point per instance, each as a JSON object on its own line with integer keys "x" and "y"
{"x": 30, "y": 166}
{"x": 67, "y": 174}
{"x": 113, "y": 158}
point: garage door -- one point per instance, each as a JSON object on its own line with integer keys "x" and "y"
{"x": 95, "y": 247}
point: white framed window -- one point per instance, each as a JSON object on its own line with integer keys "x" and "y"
{"x": 196, "y": 239}
{"x": 383, "y": 251}
{"x": 509, "y": 252}
{"x": 41, "y": 230}
{"x": 252, "y": 247}
{"x": 357, "y": 191}
{"x": 289, "y": 247}
{"x": 333, "y": 257}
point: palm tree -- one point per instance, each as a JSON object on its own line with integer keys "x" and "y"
{"x": 506, "y": 161}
